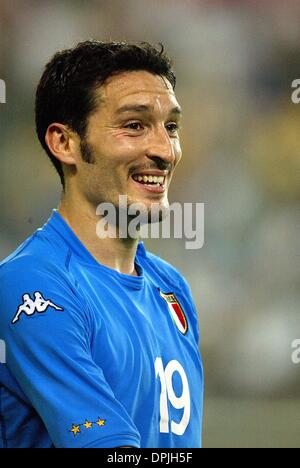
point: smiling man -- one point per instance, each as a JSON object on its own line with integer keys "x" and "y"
{"x": 101, "y": 336}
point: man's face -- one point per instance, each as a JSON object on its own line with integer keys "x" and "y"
{"x": 133, "y": 140}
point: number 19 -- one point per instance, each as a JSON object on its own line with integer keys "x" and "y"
{"x": 168, "y": 394}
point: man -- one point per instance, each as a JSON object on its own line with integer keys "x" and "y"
{"x": 101, "y": 336}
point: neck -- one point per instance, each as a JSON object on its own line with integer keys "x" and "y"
{"x": 115, "y": 253}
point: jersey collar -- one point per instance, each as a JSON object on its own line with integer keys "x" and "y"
{"x": 60, "y": 226}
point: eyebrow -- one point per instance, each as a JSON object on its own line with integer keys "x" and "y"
{"x": 143, "y": 108}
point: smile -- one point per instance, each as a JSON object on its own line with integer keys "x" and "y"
{"x": 156, "y": 184}
{"x": 149, "y": 179}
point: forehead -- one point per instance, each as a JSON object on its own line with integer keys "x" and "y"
{"x": 137, "y": 87}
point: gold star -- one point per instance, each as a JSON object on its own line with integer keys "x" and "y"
{"x": 101, "y": 422}
{"x": 75, "y": 430}
{"x": 88, "y": 424}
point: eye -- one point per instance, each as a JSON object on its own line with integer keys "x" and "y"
{"x": 134, "y": 126}
{"x": 172, "y": 127}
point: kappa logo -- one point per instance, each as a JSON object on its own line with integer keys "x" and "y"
{"x": 29, "y": 307}
{"x": 176, "y": 311}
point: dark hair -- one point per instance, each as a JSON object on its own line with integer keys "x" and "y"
{"x": 66, "y": 91}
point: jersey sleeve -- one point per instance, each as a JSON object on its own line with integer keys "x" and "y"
{"x": 46, "y": 328}
{"x": 188, "y": 300}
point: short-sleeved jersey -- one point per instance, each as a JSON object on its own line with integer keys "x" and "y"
{"x": 92, "y": 357}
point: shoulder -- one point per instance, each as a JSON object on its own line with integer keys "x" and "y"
{"x": 36, "y": 256}
{"x": 163, "y": 269}
{"x": 36, "y": 267}
{"x": 35, "y": 280}
{"x": 162, "y": 272}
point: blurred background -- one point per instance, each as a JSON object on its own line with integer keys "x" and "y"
{"x": 235, "y": 61}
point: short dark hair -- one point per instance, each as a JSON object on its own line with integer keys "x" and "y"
{"x": 66, "y": 91}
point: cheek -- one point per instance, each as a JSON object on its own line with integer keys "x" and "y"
{"x": 177, "y": 152}
{"x": 124, "y": 150}
{"x": 128, "y": 146}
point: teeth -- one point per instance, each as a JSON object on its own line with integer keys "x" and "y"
{"x": 158, "y": 180}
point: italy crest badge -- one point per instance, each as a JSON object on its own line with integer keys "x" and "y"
{"x": 176, "y": 311}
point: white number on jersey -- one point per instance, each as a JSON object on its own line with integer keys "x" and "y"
{"x": 168, "y": 394}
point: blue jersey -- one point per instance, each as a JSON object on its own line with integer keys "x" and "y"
{"x": 92, "y": 357}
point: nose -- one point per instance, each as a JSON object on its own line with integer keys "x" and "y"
{"x": 161, "y": 146}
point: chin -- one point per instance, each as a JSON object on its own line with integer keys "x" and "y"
{"x": 147, "y": 211}
{"x": 154, "y": 213}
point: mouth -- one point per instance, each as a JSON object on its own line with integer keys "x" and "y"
{"x": 150, "y": 182}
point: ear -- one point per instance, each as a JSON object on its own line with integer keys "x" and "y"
{"x": 62, "y": 143}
